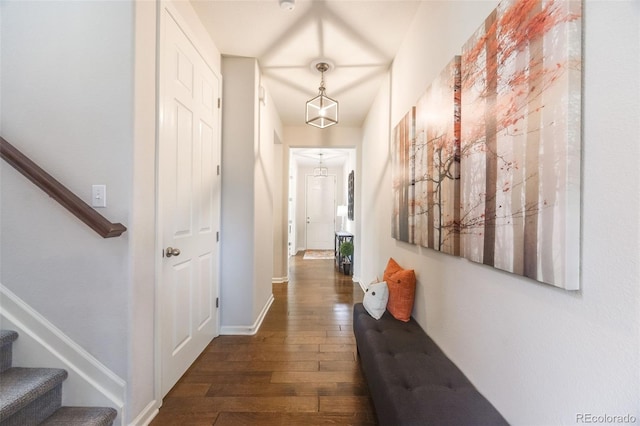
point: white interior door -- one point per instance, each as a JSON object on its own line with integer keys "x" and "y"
{"x": 320, "y": 209}
{"x": 189, "y": 202}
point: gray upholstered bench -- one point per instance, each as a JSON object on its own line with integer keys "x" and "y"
{"x": 411, "y": 380}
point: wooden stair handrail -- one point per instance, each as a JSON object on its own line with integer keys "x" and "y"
{"x": 59, "y": 192}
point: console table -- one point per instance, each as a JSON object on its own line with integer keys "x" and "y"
{"x": 341, "y": 237}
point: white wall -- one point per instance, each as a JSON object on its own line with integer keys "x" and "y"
{"x": 142, "y": 224}
{"x": 267, "y": 201}
{"x": 337, "y": 136}
{"x": 62, "y": 106}
{"x": 248, "y": 195}
{"x": 239, "y": 122}
{"x": 541, "y": 355}
{"x": 280, "y": 210}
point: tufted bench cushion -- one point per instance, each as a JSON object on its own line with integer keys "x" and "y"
{"x": 411, "y": 380}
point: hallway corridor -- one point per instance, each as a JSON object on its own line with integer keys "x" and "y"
{"x": 300, "y": 368}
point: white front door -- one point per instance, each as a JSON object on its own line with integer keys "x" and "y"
{"x": 189, "y": 202}
{"x": 320, "y": 208}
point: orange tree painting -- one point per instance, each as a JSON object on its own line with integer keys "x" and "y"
{"x": 437, "y": 163}
{"x": 520, "y": 141}
{"x": 402, "y": 226}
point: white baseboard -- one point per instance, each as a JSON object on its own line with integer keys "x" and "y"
{"x": 41, "y": 344}
{"x": 247, "y": 330}
{"x": 279, "y": 280}
{"x": 147, "y": 415}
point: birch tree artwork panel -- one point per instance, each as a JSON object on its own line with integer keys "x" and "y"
{"x": 520, "y": 141}
{"x": 402, "y": 160}
{"x": 437, "y": 163}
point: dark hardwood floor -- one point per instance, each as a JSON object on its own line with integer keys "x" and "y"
{"x": 300, "y": 368}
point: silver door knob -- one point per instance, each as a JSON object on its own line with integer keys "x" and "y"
{"x": 170, "y": 251}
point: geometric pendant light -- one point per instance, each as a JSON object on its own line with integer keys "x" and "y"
{"x": 320, "y": 171}
{"x": 322, "y": 111}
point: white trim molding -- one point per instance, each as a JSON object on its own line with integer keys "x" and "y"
{"x": 41, "y": 344}
{"x": 247, "y": 330}
{"x": 147, "y": 415}
{"x": 280, "y": 280}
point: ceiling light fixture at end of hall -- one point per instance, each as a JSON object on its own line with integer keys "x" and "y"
{"x": 320, "y": 171}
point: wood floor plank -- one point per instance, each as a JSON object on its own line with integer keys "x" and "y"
{"x": 242, "y": 366}
{"x": 350, "y": 365}
{"x": 338, "y": 348}
{"x": 190, "y": 389}
{"x": 255, "y": 378}
{"x": 276, "y": 389}
{"x": 247, "y": 347}
{"x": 344, "y": 404}
{"x": 300, "y": 368}
{"x": 180, "y": 419}
{"x": 280, "y": 419}
{"x": 315, "y": 377}
{"x": 340, "y": 333}
{"x": 217, "y": 404}
{"x": 281, "y": 404}
{"x": 291, "y": 356}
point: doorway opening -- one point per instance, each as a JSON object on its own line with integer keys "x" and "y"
{"x": 318, "y": 196}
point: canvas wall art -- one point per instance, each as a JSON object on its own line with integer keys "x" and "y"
{"x": 437, "y": 163}
{"x": 350, "y": 195}
{"x": 402, "y": 168}
{"x": 520, "y": 133}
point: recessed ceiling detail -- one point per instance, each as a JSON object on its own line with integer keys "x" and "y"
{"x": 360, "y": 37}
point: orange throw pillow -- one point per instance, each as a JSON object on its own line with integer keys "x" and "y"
{"x": 392, "y": 268}
{"x": 402, "y": 290}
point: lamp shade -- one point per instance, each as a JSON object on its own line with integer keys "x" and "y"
{"x": 322, "y": 111}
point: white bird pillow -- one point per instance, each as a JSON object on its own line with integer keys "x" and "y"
{"x": 375, "y": 299}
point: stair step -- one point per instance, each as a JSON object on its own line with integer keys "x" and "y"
{"x": 7, "y": 337}
{"x": 30, "y": 395}
{"x": 82, "y": 416}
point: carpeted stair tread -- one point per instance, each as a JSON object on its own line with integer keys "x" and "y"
{"x": 33, "y": 396}
{"x": 81, "y": 416}
{"x": 7, "y": 337}
{"x": 21, "y": 386}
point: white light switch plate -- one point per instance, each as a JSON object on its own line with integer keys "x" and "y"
{"x": 99, "y": 195}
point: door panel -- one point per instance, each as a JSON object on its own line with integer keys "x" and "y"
{"x": 204, "y": 308}
{"x": 181, "y": 289}
{"x": 207, "y": 173}
{"x": 181, "y": 192}
{"x": 320, "y": 207}
{"x": 189, "y": 202}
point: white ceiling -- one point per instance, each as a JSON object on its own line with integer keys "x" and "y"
{"x": 311, "y": 157}
{"x": 360, "y": 37}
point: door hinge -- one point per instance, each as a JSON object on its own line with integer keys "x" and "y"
{"x": 218, "y": 169}
{"x": 217, "y": 302}
{"x": 219, "y": 103}
{"x": 217, "y": 236}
